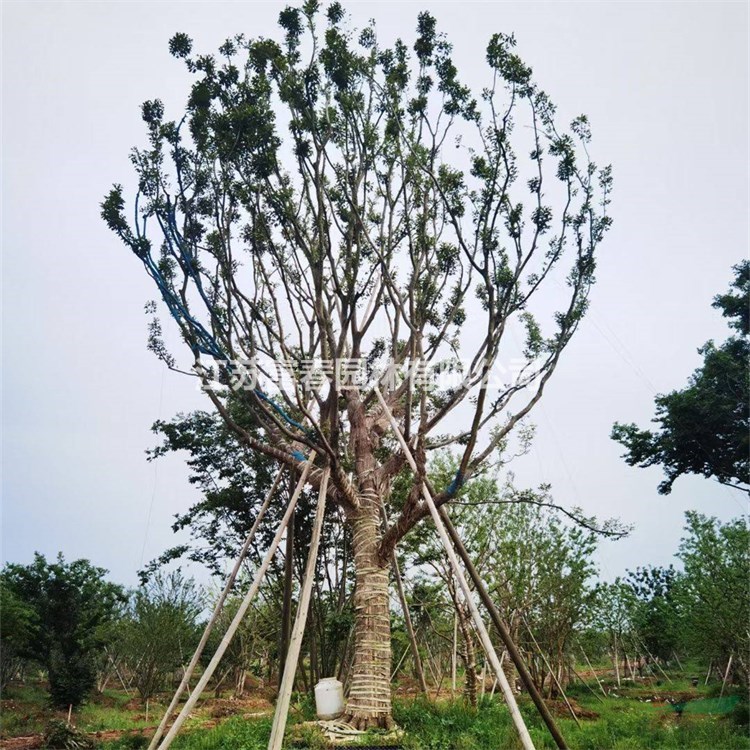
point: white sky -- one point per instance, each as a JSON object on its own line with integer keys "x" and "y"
{"x": 665, "y": 86}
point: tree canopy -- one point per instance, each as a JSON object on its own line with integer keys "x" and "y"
{"x": 704, "y": 428}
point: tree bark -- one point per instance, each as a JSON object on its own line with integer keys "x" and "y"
{"x": 469, "y": 656}
{"x": 369, "y": 702}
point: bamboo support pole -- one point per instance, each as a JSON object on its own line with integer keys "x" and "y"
{"x": 413, "y": 645}
{"x": 298, "y": 631}
{"x": 510, "y": 699}
{"x": 593, "y": 692}
{"x": 726, "y": 675}
{"x": 234, "y": 625}
{"x": 185, "y": 682}
{"x": 593, "y": 671}
{"x": 409, "y": 626}
{"x": 454, "y": 653}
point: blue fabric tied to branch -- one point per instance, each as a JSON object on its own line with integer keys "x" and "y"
{"x": 456, "y": 484}
{"x": 203, "y": 342}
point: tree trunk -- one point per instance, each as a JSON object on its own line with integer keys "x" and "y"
{"x": 469, "y": 656}
{"x": 369, "y": 702}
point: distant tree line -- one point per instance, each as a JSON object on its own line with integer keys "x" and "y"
{"x": 66, "y": 623}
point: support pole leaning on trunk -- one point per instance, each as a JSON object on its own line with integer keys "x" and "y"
{"x": 234, "y": 625}
{"x": 185, "y": 682}
{"x": 298, "y": 631}
{"x": 513, "y": 652}
{"x": 510, "y": 699}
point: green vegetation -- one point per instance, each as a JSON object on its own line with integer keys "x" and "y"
{"x": 561, "y": 614}
{"x": 159, "y": 629}
{"x": 669, "y": 713}
{"x": 704, "y": 429}
{"x": 60, "y": 612}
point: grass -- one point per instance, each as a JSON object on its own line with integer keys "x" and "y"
{"x": 26, "y": 710}
{"x": 622, "y": 724}
{"x": 633, "y": 717}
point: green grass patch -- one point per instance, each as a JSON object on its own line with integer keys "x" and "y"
{"x": 639, "y": 719}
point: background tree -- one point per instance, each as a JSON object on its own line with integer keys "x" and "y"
{"x": 161, "y": 630}
{"x": 71, "y": 604}
{"x": 705, "y": 428}
{"x": 656, "y": 614}
{"x": 714, "y": 591}
{"x": 395, "y": 205}
{"x": 613, "y": 615}
{"x": 15, "y": 634}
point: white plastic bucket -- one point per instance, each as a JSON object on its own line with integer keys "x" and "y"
{"x": 329, "y": 698}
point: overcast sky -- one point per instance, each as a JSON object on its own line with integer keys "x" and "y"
{"x": 665, "y": 86}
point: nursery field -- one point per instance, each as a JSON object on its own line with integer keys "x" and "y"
{"x": 650, "y": 714}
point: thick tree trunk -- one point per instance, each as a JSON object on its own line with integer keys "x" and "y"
{"x": 369, "y": 702}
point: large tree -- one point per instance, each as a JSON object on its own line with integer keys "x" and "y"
{"x": 328, "y": 199}
{"x": 704, "y": 428}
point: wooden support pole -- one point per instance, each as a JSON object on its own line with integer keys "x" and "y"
{"x": 726, "y": 675}
{"x": 400, "y": 662}
{"x": 433, "y": 664}
{"x": 593, "y": 692}
{"x": 413, "y": 645}
{"x": 117, "y": 672}
{"x": 510, "y": 699}
{"x": 454, "y": 653}
{"x": 615, "y": 662}
{"x": 286, "y": 604}
{"x": 298, "y": 631}
{"x": 504, "y": 633}
{"x": 654, "y": 660}
{"x": 242, "y": 610}
{"x": 628, "y": 668}
{"x": 188, "y": 673}
{"x": 677, "y": 659}
{"x": 593, "y": 671}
